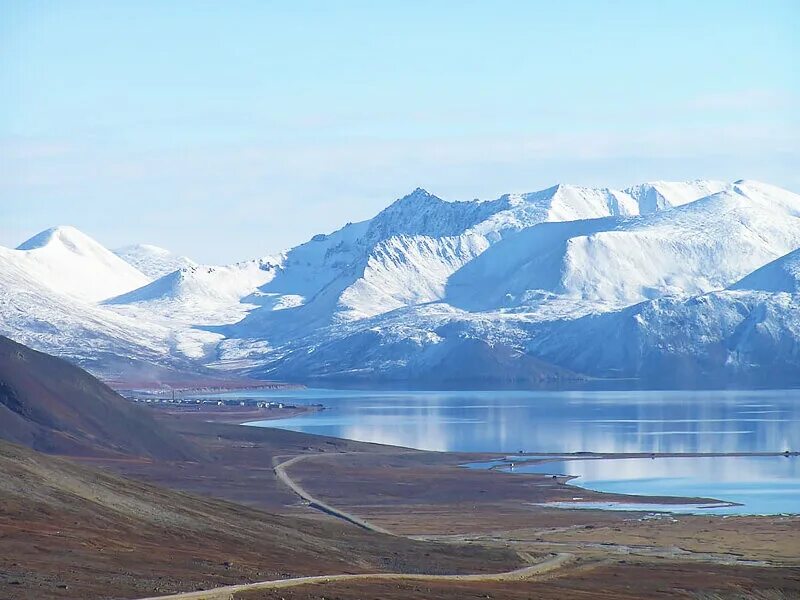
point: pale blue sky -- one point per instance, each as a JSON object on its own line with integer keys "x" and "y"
{"x": 228, "y": 130}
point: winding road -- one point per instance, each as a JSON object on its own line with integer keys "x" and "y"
{"x": 532, "y": 571}
{"x": 227, "y": 593}
{"x": 535, "y": 570}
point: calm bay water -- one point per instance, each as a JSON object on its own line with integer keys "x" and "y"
{"x": 589, "y": 421}
{"x": 753, "y": 484}
{"x": 508, "y": 421}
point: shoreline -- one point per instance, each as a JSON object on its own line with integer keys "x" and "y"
{"x": 249, "y": 506}
{"x": 622, "y": 499}
{"x": 705, "y": 505}
{"x": 126, "y": 388}
{"x": 422, "y": 496}
{"x": 248, "y": 416}
{"x": 233, "y": 415}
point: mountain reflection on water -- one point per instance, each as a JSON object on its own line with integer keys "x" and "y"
{"x": 573, "y": 421}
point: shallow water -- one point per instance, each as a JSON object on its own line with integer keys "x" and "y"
{"x": 589, "y": 421}
{"x": 758, "y": 485}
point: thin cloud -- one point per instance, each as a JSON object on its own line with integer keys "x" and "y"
{"x": 741, "y": 100}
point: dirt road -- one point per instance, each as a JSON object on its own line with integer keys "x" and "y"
{"x": 533, "y": 571}
{"x": 283, "y": 476}
{"x": 549, "y": 565}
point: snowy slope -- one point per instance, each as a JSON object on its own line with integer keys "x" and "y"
{"x": 406, "y": 270}
{"x": 423, "y": 240}
{"x": 54, "y": 322}
{"x": 712, "y": 339}
{"x": 198, "y": 295}
{"x": 153, "y": 261}
{"x": 699, "y": 247}
{"x": 569, "y": 203}
{"x": 437, "y": 349}
{"x": 661, "y": 195}
{"x": 781, "y": 275}
{"x": 98, "y": 339}
{"x": 70, "y": 262}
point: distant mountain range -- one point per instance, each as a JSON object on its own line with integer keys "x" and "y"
{"x": 667, "y": 283}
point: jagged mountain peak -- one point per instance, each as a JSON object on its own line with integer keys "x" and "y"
{"x": 563, "y": 188}
{"x": 419, "y": 192}
{"x": 422, "y": 213}
{"x": 416, "y": 198}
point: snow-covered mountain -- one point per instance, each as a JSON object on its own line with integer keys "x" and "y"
{"x": 70, "y": 262}
{"x": 656, "y": 281}
{"x": 198, "y": 295}
{"x": 153, "y": 261}
{"x": 699, "y": 247}
{"x": 52, "y": 289}
{"x": 407, "y": 253}
{"x": 58, "y": 323}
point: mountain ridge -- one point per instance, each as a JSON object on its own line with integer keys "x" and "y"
{"x": 428, "y": 279}
{"x": 153, "y": 261}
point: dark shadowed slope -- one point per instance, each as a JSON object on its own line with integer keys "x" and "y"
{"x": 50, "y": 405}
